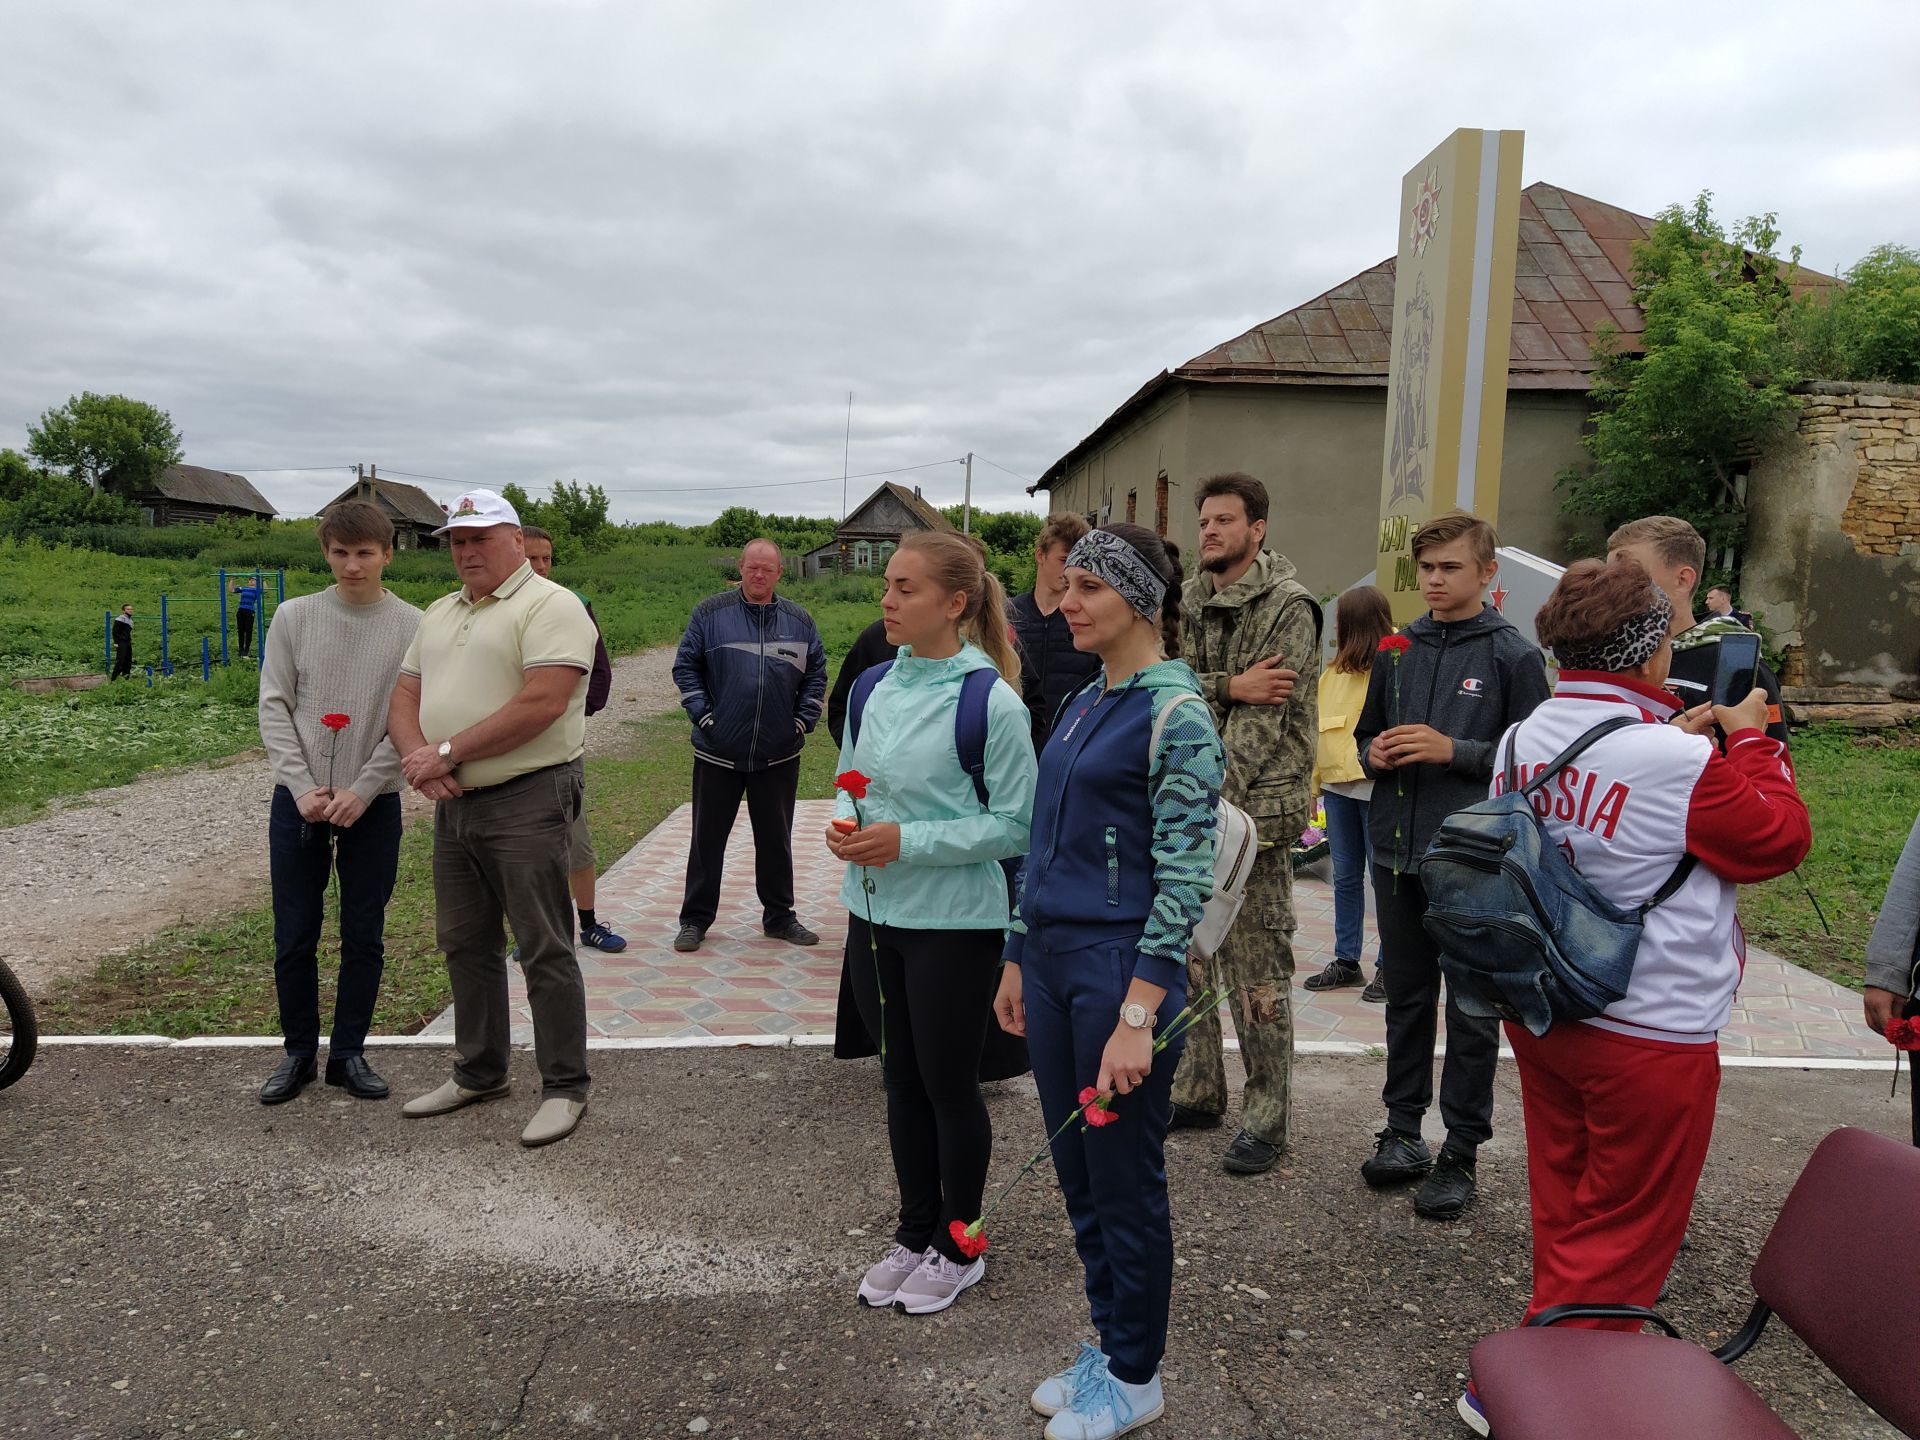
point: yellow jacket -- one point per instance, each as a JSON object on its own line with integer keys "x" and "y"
{"x": 1341, "y": 696}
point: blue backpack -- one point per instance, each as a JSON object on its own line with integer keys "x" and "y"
{"x": 1522, "y": 934}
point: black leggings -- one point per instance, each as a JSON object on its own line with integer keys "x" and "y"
{"x": 939, "y": 987}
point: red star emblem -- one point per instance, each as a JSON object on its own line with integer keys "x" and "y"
{"x": 1499, "y": 597}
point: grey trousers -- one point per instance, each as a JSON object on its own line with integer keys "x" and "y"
{"x": 503, "y": 852}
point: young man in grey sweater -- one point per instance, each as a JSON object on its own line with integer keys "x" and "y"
{"x": 336, "y": 796}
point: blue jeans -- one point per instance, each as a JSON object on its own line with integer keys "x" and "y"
{"x": 1113, "y": 1179}
{"x": 303, "y": 856}
{"x": 1352, "y": 856}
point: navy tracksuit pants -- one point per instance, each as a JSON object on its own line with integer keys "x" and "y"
{"x": 1114, "y": 1179}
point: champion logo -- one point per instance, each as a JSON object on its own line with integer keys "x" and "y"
{"x": 1472, "y": 685}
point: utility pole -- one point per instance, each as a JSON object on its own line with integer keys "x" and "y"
{"x": 846, "y": 452}
{"x": 966, "y": 512}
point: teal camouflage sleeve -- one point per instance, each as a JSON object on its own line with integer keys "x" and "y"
{"x": 1185, "y": 779}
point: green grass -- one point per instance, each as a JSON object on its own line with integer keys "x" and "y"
{"x": 216, "y": 978}
{"x": 56, "y": 598}
{"x": 1862, "y": 792}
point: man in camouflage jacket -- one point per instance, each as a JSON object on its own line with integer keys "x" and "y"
{"x": 1251, "y": 632}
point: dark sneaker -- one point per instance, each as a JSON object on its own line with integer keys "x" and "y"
{"x": 1250, "y": 1155}
{"x": 600, "y": 937}
{"x": 794, "y": 933}
{"x": 689, "y": 937}
{"x": 1338, "y": 975}
{"x": 1185, "y": 1117}
{"x": 1397, "y": 1158}
{"x": 1376, "y": 991}
{"x": 1448, "y": 1191}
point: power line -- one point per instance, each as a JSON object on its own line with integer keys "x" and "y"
{"x": 273, "y": 469}
{"x": 998, "y": 466}
{"x": 703, "y": 488}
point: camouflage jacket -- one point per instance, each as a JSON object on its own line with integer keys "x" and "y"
{"x": 1270, "y": 748}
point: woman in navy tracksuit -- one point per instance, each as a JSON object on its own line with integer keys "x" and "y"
{"x": 1122, "y": 861}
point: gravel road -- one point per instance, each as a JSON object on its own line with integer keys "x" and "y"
{"x": 103, "y": 871}
{"x": 180, "y": 1260}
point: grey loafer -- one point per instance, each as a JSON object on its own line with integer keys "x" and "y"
{"x": 554, "y": 1120}
{"x": 448, "y": 1098}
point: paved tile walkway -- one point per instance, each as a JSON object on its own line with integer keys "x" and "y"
{"x": 741, "y": 984}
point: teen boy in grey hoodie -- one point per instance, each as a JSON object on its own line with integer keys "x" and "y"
{"x": 1434, "y": 714}
{"x": 1893, "y": 952}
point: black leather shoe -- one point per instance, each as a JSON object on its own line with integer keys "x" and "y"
{"x": 1338, "y": 975}
{"x": 1449, "y": 1190}
{"x": 1185, "y": 1117}
{"x": 1397, "y": 1158}
{"x": 689, "y": 938}
{"x": 356, "y": 1077}
{"x": 1250, "y": 1155}
{"x": 1376, "y": 991}
{"x": 294, "y": 1075}
{"x": 794, "y": 933}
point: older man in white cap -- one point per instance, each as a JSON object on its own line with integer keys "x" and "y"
{"x": 489, "y": 719}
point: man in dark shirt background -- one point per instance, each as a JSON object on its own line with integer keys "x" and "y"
{"x": 1050, "y": 668}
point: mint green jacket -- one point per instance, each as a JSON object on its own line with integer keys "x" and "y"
{"x": 948, "y": 876}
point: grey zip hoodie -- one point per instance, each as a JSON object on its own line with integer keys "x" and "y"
{"x": 1468, "y": 679}
{"x": 1893, "y": 952}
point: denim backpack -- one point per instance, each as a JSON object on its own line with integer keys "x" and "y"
{"x": 1522, "y": 934}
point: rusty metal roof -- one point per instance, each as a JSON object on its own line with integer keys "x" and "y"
{"x": 1572, "y": 274}
{"x": 409, "y": 502}
{"x": 196, "y": 485}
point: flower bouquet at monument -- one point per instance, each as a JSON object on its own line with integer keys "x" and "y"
{"x": 1094, "y": 1112}
{"x": 1312, "y": 844}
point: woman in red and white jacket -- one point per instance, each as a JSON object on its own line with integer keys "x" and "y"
{"x": 1619, "y": 1109}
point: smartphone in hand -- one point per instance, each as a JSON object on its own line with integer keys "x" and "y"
{"x": 1735, "y": 669}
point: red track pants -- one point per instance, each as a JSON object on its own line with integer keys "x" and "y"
{"x": 1617, "y": 1132}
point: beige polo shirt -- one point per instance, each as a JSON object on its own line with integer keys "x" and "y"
{"x": 469, "y": 656}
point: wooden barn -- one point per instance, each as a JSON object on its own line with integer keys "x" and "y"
{"x": 872, "y": 531}
{"x": 193, "y": 495}
{"x": 414, "y": 513}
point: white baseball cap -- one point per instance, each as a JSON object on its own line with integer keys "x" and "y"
{"x": 479, "y": 507}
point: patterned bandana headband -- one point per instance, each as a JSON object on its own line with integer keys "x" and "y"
{"x": 1105, "y": 555}
{"x": 1630, "y": 646}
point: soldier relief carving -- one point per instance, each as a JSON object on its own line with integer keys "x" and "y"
{"x": 1407, "y": 456}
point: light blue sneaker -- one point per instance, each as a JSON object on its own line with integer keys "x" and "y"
{"x": 1056, "y": 1392}
{"x": 1106, "y": 1406}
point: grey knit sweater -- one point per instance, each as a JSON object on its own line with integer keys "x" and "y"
{"x": 326, "y": 657}
{"x": 1893, "y": 952}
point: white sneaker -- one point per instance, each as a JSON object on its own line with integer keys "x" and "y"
{"x": 1107, "y": 1406}
{"x": 880, "y": 1284}
{"x": 1056, "y": 1392}
{"x": 937, "y": 1284}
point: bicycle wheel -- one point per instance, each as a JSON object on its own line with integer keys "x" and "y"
{"x": 19, "y": 1031}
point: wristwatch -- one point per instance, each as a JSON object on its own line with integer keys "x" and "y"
{"x": 1138, "y": 1017}
{"x": 446, "y": 751}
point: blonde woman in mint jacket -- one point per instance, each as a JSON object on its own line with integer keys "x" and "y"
{"x": 927, "y": 898}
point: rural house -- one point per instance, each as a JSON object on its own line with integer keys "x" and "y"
{"x": 1301, "y": 403}
{"x": 192, "y": 495}
{"x": 414, "y": 513}
{"x": 872, "y": 531}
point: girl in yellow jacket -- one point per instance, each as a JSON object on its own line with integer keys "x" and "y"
{"x": 1361, "y": 620}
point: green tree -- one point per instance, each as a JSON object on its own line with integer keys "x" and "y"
{"x": 1709, "y": 384}
{"x": 16, "y": 475}
{"x": 1871, "y": 329}
{"x": 106, "y": 442}
{"x": 1013, "y": 531}
{"x": 53, "y": 502}
{"x": 733, "y": 527}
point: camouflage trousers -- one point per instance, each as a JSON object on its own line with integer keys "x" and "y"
{"x": 1257, "y": 961}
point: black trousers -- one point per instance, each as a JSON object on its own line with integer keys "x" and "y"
{"x": 245, "y": 620}
{"x": 1410, "y": 969}
{"x": 1913, "y": 1070}
{"x": 716, "y": 802}
{"x": 939, "y": 987}
{"x": 122, "y": 659}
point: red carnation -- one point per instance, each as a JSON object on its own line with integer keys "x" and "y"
{"x": 1396, "y": 642}
{"x": 1089, "y": 1095}
{"x": 335, "y": 722}
{"x": 853, "y": 782}
{"x": 1903, "y": 1034}
{"x": 970, "y": 1245}
{"x": 1098, "y": 1115}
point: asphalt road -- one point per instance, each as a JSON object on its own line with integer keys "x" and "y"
{"x": 178, "y": 1260}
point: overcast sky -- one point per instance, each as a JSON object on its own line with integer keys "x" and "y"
{"x": 654, "y": 247}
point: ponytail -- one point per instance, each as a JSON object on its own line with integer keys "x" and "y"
{"x": 958, "y": 563}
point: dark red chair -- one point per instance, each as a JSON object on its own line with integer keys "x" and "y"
{"x": 1824, "y": 1271}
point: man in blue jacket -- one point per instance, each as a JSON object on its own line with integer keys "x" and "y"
{"x": 752, "y": 677}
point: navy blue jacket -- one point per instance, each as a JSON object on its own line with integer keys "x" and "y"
{"x": 752, "y": 679}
